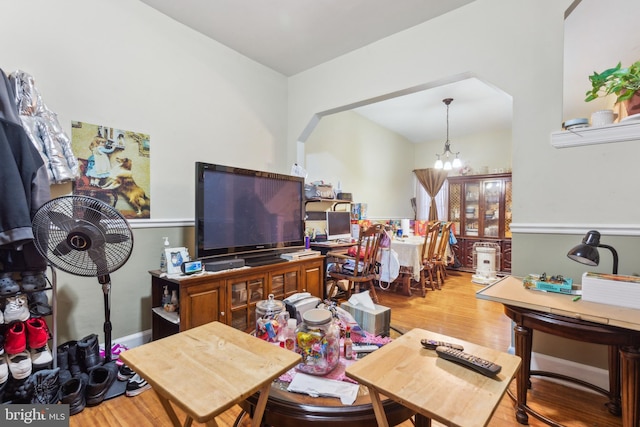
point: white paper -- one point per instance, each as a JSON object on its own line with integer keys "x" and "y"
{"x": 362, "y": 299}
{"x": 318, "y": 386}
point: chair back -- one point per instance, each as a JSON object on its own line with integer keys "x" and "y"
{"x": 367, "y": 250}
{"x": 441, "y": 253}
{"x": 430, "y": 241}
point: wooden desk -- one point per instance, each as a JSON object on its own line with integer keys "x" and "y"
{"x": 433, "y": 387}
{"x": 208, "y": 369}
{"x": 557, "y": 314}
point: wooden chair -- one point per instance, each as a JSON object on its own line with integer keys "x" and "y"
{"x": 428, "y": 256}
{"x": 440, "y": 260}
{"x": 365, "y": 263}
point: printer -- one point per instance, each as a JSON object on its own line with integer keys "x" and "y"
{"x": 298, "y": 304}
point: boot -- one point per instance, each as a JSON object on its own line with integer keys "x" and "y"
{"x": 100, "y": 380}
{"x": 88, "y": 352}
{"x": 46, "y": 386}
{"x": 73, "y": 393}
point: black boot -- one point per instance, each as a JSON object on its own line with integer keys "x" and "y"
{"x": 88, "y": 353}
{"x": 62, "y": 356}
{"x": 73, "y": 393}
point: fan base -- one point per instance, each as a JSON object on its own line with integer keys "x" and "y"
{"x": 118, "y": 388}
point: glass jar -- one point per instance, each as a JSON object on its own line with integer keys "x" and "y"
{"x": 270, "y": 318}
{"x": 318, "y": 342}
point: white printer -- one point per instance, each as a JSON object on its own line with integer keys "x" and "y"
{"x": 298, "y": 304}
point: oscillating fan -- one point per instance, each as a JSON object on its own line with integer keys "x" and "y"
{"x": 85, "y": 237}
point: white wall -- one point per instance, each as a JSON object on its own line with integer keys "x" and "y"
{"x": 121, "y": 63}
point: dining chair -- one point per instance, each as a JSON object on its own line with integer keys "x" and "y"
{"x": 428, "y": 256}
{"x": 440, "y": 260}
{"x": 359, "y": 267}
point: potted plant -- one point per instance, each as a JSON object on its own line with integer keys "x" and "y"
{"x": 623, "y": 82}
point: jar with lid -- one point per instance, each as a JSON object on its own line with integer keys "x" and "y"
{"x": 318, "y": 342}
{"x": 270, "y": 318}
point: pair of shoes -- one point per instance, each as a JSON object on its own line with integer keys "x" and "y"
{"x": 16, "y": 308}
{"x": 88, "y": 353}
{"x": 136, "y": 385}
{"x": 8, "y": 286}
{"x": 33, "y": 332}
{"x": 100, "y": 380}
{"x": 19, "y": 364}
{"x": 46, "y": 386}
{"x": 73, "y": 393}
{"x": 125, "y": 372}
{"x": 33, "y": 281}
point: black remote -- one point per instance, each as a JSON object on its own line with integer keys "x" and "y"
{"x": 483, "y": 366}
{"x": 432, "y": 344}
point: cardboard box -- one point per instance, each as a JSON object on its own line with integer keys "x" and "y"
{"x": 376, "y": 321}
{"x": 613, "y": 289}
{"x": 358, "y": 211}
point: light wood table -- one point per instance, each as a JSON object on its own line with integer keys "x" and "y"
{"x": 206, "y": 370}
{"x": 434, "y": 387}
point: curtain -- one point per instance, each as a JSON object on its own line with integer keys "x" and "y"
{"x": 431, "y": 180}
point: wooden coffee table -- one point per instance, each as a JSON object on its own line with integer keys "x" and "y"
{"x": 431, "y": 386}
{"x": 208, "y": 369}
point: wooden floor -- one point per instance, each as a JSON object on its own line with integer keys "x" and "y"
{"x": 452, "y": 311}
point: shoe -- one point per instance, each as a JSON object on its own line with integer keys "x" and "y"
{"x": 37, "y": 332}
{"x": 88, "y": 352}
{"x": 1, "y": 343}
{"x": 116, "y": 349}
{"x": 39, "y": 304}
{"x": 16, "y": 308}
{"x": 136, "y": 385}
{"x": 8, "y": 286}
{"x": 73, "y": 393}
{"x": 100, "y": 379}
{"x": 42, "y": 357}
{"x": 67, "y": 356}
{"x": 4, "y": 370}
{"x": 46, "y": 386}
{"x": 19, "y": 365}
{"x": 124, "y": 373}
{"x": 15, "y": 338}
{"x": 33, "y": 281}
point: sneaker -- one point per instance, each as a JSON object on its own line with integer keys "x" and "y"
{"x": 136, "y": 385}
{"x": 73, "y": 394}
{"x": 19, "y": 365}
{"x": 124, "y": 373}
{"x": 33, "y": 281}
{"x": 4, "y": 370}
{"x": 37, "y": 332}
{"x": 16, "y": 308}
{"x": 42, "y": 357}
{"x": 100, "y": 379}
{"x": 15, "y": 338}
{"x": 8, "y": 286}
{"x": 39, "y": 304}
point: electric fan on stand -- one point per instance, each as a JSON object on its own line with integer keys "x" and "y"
{"x": 84, "y": 236}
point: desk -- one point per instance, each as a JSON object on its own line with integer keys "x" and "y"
{"x": 433, "y": 387}
{"x": 557, "y": 314}
{"x": 208, "y": 369}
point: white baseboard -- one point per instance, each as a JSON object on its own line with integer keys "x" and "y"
{"x": 133, "y": 340}
{"x": 590, "y": 374}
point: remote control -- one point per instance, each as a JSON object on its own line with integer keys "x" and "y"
{"x": 364, "y": 348}
{"x": 432, "y": 344}
{"x": 485, "y": 367}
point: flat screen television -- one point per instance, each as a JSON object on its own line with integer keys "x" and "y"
{"x": 243, "y": 213}
{"x": 338, "y": 225}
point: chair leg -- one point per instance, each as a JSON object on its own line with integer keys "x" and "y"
{"x": 372, "y": 287}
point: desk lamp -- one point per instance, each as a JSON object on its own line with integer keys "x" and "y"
{"x": 587, "y": 251}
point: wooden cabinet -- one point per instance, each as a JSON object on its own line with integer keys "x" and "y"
{"x": 231, "y": 296}
{"x": 480, "y": 209}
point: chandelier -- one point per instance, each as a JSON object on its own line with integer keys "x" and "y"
{"x": 447, "y": 153}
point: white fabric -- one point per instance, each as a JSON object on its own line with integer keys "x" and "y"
{"x": 318, "y": 386}
{"x": 389, "y": 265}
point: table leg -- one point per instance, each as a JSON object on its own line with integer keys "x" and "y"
{"x": 422, "y": 421}
{"x": 523, "y": 340}
{"x": 170, "y": 412}
{"x": 614, "y": 381}
{"x": 378, "y": 410}
{"x": 630, "y": 373}
{"x": 260, "y": 405}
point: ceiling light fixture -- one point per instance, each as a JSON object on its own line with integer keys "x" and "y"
{"x": 447, "y": 164}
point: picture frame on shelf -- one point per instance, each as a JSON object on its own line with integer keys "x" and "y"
{"x": 175, "y": 258}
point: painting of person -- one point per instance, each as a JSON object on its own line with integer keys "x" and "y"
{"x": 99, "y": 164}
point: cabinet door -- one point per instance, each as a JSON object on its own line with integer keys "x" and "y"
{"x": 506, "y": 256}
{"x": 492, "y": 209}
{"x": 507, "y": 211}
{"x": 314, "y": 278}
{"x": 284, "y": 282}
{"x": 246, "y": 291}
{"x": 202, "y": 304}
{"x": 455, "y": 206}
{"x": 472, "y": 209}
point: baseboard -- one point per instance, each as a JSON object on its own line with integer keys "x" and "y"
{"x": 133, "y": 340}
{"x": 590, "y": 374}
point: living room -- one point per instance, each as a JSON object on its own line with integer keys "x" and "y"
{"x": 123, "y": 63}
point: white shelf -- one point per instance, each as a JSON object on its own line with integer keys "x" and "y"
{"x": 171, "y": 316}
{"x": 617, "y": 132}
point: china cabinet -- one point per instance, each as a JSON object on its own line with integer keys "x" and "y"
{"x": 480, "y": 209}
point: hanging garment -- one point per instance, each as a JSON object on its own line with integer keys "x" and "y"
{"x": 25, "y": 187}
{"x": 44, "y": 130}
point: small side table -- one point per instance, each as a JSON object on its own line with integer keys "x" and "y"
{"x": 208, "y": 369}
{"x": 433, "y": 387}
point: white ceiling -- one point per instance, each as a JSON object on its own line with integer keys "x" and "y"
{"x": 291, "y": 36}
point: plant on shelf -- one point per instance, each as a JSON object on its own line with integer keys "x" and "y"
{"x": 623, "y": 82}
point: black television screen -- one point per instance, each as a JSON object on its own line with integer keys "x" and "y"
{"x": 243, "y": 211}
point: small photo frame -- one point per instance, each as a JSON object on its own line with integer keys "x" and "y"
{"x": 175, "y": 258}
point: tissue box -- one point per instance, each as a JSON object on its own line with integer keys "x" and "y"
{"x": 613, "y": 289}
{"x": 375, "y": 321}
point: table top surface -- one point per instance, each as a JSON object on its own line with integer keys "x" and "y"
{"x": 207, "y": 369}
{"x": 511, "y": 291}
{"x": 437, "y": 388}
